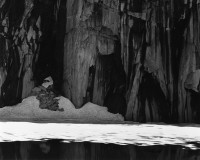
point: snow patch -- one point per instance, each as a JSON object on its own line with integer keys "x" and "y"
{"x": 29, "y": 109}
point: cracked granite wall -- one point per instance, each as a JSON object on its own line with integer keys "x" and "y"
{"x": 137, "y": 57}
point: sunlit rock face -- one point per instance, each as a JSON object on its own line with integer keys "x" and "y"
{"x": 90, "y": 57}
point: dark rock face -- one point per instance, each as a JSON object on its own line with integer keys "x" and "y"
{"x": 46, "y": 97}
{"x": 139, "y": 57}
{"x": 162, "y": 60}
{"x": 32, "y": 46}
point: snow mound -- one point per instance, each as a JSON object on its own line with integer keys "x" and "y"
{"x": 29, "y": 109}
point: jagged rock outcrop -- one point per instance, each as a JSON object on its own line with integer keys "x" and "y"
{"x": 161, "y": 55}
{"x": 28, "y": 33}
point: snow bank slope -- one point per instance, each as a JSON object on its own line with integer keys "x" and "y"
{"x": 29, "y": 109}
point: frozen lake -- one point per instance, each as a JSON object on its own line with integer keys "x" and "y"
{"x": 121, "y": 134}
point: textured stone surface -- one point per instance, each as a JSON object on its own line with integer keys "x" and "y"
{"x": 90, "y": 29}
{"x": 146, "y": 50}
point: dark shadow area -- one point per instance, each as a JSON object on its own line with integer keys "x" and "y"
{"x": 56, "y": 150}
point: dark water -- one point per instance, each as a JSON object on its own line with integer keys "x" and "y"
{"x": 74, "y": 141}
{"x": 57, "y": 150}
